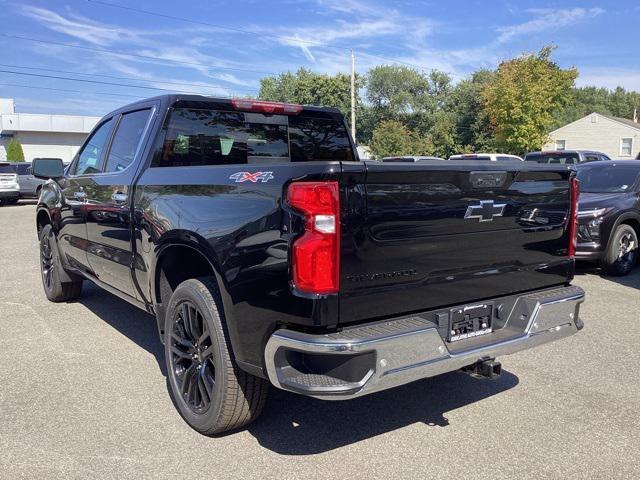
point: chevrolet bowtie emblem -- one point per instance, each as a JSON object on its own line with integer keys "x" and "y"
{"x": 486, "y": 211}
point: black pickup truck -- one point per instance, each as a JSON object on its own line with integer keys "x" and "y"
{"x": 269, "y": 254}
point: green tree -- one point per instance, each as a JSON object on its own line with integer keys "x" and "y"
{"x": 473, "y": 130}
{"x": 392, "y": 138}
{"x": 522, "y": 98}
{"x": 14, "y": 151}
{"x": 309, "y": 88}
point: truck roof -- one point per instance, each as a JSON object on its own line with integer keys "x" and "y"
{"x": 200, "y": 101}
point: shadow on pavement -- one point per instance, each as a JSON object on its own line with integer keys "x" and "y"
{"x": 130, "y": 321}
{"x": 296, "y": 425}
{"x": 630, "y": 280}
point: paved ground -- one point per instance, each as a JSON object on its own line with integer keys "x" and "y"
{"x": 83, "y": 395}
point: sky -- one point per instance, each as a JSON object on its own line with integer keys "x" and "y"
{"x": 123, "y": 50}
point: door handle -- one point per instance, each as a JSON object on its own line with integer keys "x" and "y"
{"x": 119, "y": 197}
{"x": 80, "y": 195}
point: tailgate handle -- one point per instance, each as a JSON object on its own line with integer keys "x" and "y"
{"x": 487, "y": 179}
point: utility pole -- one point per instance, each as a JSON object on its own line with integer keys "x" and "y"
{"x": 353, "y": 96}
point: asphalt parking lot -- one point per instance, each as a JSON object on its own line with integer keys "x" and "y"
{"x": 83, "y": 395}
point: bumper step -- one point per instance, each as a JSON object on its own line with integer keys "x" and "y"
{"x": 373, "y": 357}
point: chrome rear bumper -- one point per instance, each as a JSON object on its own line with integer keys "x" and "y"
{"x": 375, "y": 357}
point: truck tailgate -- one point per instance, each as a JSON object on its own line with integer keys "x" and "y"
{"x": 421, "y": 236}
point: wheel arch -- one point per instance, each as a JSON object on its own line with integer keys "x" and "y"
{"x": 182, "y": 256}
{"x": 628, "y": 218}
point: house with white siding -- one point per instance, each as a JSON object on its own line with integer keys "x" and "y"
{"x": 618, "y": 137}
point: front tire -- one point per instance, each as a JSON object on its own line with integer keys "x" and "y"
{"x": 210, "y": 391}
{"x": 51, "y": 270}
{"x": 622, "y": 252}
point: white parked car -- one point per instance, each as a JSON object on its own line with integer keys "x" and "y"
{"x": 490, "y": 157}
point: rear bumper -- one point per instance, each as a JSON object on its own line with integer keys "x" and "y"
{"x": 379, "y": 356}
{"x": 10, "y": 194}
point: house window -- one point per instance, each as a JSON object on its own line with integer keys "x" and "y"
{"x": 626, "y": 147}
{"x": 560, "y": 144}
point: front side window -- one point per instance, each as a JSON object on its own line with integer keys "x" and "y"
{"x": 126, "y": 140}
{"x": 626, "y": 146}
{"x": 212, "y": 137}
{"x": 89, "y": 158}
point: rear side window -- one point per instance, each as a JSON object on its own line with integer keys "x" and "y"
{"x": 211, "y": 137}
{"x": 591, "y": 158}
{"x": 22, "y": 168}
{"x": 126, "y": 140}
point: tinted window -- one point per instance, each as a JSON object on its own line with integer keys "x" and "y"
{"x": 471, "y": 157}
{"x": 553, "y": 157}
{"x": 504, "y": 158}
{"x": 607, "y": 179}
{"x": 211, "y": 137}
{"x": 22, "y": 168}
{"x": 89, "y": 158}
{"x": 590, "y": 158}
{"x": 6, "y": 168}
{"x": 126, "y": 140}
{"x": 318, "y": 139}
{"x": 48, "y": 167}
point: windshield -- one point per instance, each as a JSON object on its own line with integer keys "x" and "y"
{"x": 213, "y": 137}
{"x": 608, "y": 179}
{"x": 470, "y": 157}
{"x": 553, "y": 157}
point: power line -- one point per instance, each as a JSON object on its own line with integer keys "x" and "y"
{"x": 257, "y": 34}
{"x": 213, "y": 25}
{"x": 134, "y": 55}
{"x": 209, "y": 86}
{"x": 114, "y": 84}
{"x": 70, "y": 91}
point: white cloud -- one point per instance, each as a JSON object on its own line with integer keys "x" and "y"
{"x": 548, "y": 19}
{"x": 79, "y": 27}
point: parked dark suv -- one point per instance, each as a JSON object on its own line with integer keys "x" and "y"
{"x": 609, "y": 214}
{"x": 569, "y": 157}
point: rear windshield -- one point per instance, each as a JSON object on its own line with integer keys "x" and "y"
{"x": 214, "y": 137}
{"x": 399, "y": 159}
{"x": 607, "y": 179}
{"x": 553, "y": 157}
{"x": 471, "y": 157}
{"x": 6, "y": 168}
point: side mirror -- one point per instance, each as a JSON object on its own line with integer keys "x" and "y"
{"x": 46, "y": 168}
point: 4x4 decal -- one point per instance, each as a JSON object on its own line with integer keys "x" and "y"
{"x": 252, "y": 177}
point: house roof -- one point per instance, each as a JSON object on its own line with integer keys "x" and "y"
{"x": 626, "y": 121}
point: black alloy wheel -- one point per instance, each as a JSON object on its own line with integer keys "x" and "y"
{"x": 47, "y": 264}
{"x": 191, "y": 359}
{"x": 53, "y": 272}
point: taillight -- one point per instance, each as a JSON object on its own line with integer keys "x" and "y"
{"x": 315, "y": 255}
{"x": 266, "y": 107}
{"x": 573, "y": 225}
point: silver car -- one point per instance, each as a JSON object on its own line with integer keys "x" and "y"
{"x": 9, "y": 187}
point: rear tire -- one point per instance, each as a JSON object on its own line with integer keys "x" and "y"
{"x": 51, "y": 270}
{"x": 210, "y": 391}
{"x": 622, "y": 252}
